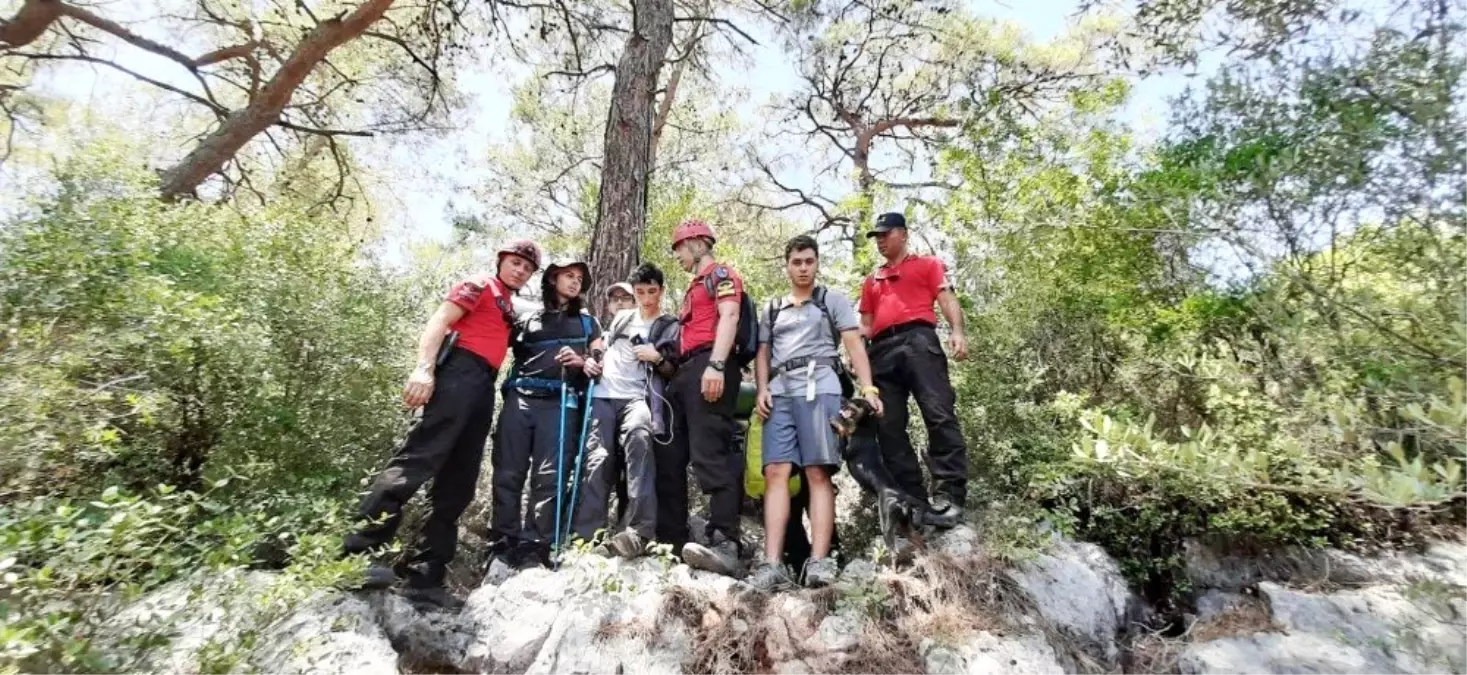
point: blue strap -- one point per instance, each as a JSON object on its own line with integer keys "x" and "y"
{"x": 537, "y": 383}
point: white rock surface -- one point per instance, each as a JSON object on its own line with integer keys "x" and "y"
{"x": 1080, "y": 590}
{"x": 984, "y": 652}
{"x": 1403, "y": 616}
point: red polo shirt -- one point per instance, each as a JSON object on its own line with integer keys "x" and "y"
{"x": 700, "y": 308}
{"x": 484, "y": 328}
{"x": 904, "y": 292}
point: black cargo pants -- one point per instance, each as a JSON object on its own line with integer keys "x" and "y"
{"x": 909, "y": 361}
{"x": 529, "y": 443}
{"x": 446, "y": 445}
{"x": 703, "y": 437}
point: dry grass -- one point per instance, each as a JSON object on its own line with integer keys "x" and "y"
{"x": 883, "y": 649}
{"x": 1246, "y": 619}
{"x": 631, "y": 629}
{"x": 731, "y": 639}
{"x": 1154, "y": 653}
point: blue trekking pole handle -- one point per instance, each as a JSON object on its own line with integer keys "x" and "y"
{"x": 580, "y": 457}
{"x": 560, "y": 471}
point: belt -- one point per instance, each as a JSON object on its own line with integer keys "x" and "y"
{"x": 798, "y": 363}
{"x": 903, "y": 328}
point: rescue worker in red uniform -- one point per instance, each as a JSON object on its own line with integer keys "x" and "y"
{"x": 703, "y": 393}
{"x": 907, "y": 359}
{"x": 455, "y": 388}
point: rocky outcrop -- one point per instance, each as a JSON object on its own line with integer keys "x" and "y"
{"x": 646, "y": 616}
{"x": 1066, "y": 609}
{"x": 1298, "y": 611}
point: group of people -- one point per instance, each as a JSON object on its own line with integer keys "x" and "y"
{"x": 631, "y": 408}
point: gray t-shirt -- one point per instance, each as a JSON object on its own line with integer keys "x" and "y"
{"x": 622, "y": 375}
{"x": 804, "y": 331}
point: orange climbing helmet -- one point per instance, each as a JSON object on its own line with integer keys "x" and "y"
{"x": 523, "y": 248}
{"x": 690, "y": 229}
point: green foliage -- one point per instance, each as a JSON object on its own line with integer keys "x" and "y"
{"x": 184, "y": 388}
{"x": 151, "y": 342}
{"x": 69, "y": 566}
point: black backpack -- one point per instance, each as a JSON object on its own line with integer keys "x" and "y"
{"x": 746, "y": 338}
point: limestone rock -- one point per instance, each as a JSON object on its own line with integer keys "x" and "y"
{"x": 837, "y": 633}
{"x": 984, "y": 652}
{"x": 1079, "y": 589}
{"x": 960, "y": 542}
{"x": 332, "y": 633}
{"x": 1395, "y": 621}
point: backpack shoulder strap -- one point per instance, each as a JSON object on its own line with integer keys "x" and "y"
{"x": 660, "y": 326}
{"x": 502, "y": 301}
{"x": 771, "y": 314}
{"x": 619, "y": 324}
{"x": 586, "y": 327}
{"x": 818, "y": 297}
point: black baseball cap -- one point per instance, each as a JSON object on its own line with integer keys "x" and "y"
{"x": 887, "y": 222}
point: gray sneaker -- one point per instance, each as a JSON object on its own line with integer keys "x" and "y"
{"x": 821, "y": 572}
{"x": 627, "y": 544}
{"x": 769, "y": 577}
{"x": 721, "y": 556}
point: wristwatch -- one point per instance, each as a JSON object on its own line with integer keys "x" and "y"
{"x": 716, "y": 365}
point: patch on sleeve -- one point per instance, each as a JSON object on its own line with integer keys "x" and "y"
{"x": 726, "y": 288}
{"x": 466, "y": 293}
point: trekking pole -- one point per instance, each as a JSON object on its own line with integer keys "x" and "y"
{"x": 559, "y": 474}
{"x": 580, "y": 457}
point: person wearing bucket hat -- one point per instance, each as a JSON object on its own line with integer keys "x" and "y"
{"x": 907, "y": 359}
{"x": 540, "y": 422}
{"x": 460, "y": 353}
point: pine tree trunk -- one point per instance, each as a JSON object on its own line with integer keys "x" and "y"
{"x": 621, "y": 214}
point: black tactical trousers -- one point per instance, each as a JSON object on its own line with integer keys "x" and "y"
{"x": 535, "y": 438}
{"x": 911, "y": 362}
{"x": 703, "y": 437}
{"x": 446, "y": 445}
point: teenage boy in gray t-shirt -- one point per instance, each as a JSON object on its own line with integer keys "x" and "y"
{"x": 799, "y": 372}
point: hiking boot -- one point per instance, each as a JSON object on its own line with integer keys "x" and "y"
{"x": 436, "y": 596}
{"x": 821, "y": 572}
{"x": 945, "y": 514}
{"x": 628, "y": 544}
{"x": 769, "y": 577}
{"x": 720, "y": 556}
{"x": 528, "y": 555}
{"x": 378, "y": 576}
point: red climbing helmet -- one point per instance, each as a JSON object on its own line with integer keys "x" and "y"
{"x": 690, "y": 229}
{"x": 523, "y": 248}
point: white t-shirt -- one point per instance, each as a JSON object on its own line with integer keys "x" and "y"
{"x": 622, "y": 375}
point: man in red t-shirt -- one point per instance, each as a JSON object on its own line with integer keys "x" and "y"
{"x": 907, "y": 359}
{"x": 455, "y": 389}
{"x": 703, "y": 394}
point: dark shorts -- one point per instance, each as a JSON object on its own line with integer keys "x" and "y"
{"x": 799, "y": 432}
